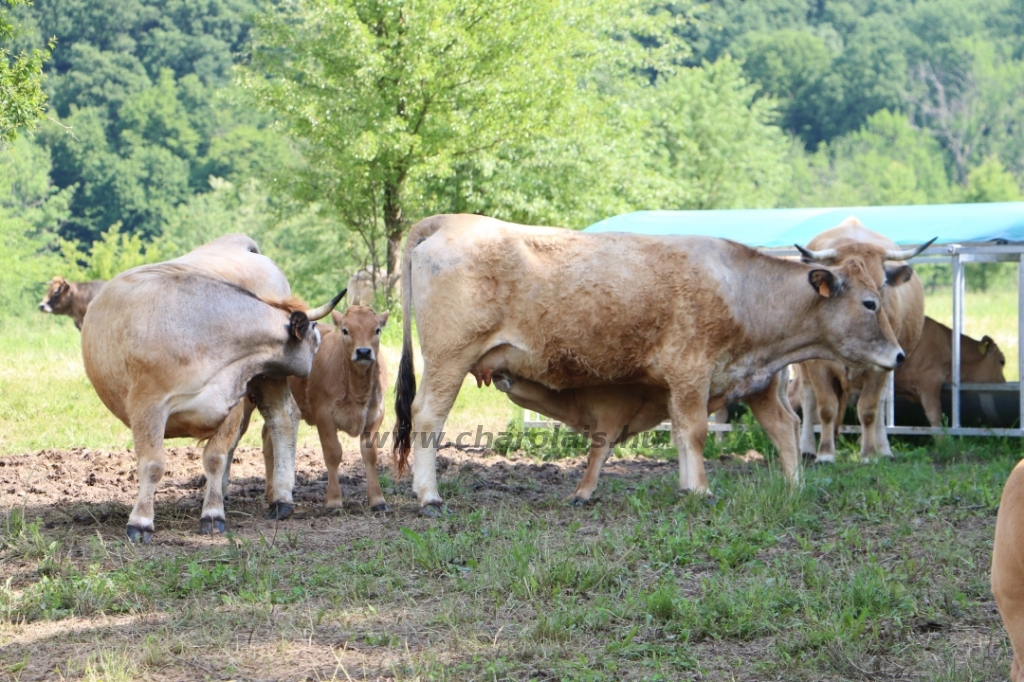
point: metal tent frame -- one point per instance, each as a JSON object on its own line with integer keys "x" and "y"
{"x": 958, "y": 255}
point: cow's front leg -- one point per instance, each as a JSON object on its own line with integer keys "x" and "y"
{"x": 148, "y": 434}
{"x": 809, "y": 407}
{"x": 689, "y": 413}
{"x": 781, "y": 426}
{"x": 331, "y": 446}
{"x": 368, "y": 450}
{"x": 601, "y": 444}
{"x": 247, "y": 408}
{"x": 873, "y": 438}
{"x": 820, "y": 378}
{"x": 280, "y": 435}
{"x": 216, "y": 455}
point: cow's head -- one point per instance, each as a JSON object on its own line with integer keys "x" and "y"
{"x": 878, "y": 261}
{"x": 56, "y": 299}
{"x": 302, "y": 323}
{"x": 856, "y": 327}
{"x": 360, "y": 330}
{"x": 989, "y": 367}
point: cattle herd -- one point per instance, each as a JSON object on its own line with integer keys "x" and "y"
{"x": 609, "y": 333}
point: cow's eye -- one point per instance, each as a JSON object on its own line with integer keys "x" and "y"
{"x": 1002, "y": 363}
{"x": 344, "y": 330}
{"x": 871, "y": 305}
{"x": 378, "y": 331}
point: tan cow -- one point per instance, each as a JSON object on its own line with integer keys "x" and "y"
{"x": 345, "y": 390}
{"x": 903, "y": 303}
{"x": 705, "y": 319}
{"x": 70, "y": 298}
{"x": 363, "y": 286}
{"x": 612, "y": 414}
{"x": 171, "y": 349}
{"x": 930, "y": 365}
{"x": 1008, "y": 566}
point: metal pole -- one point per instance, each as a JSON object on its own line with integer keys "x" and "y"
{"x": 958, "y": 328}
{"x": 890, "y": 397}
{"x": 1020, "y": 337}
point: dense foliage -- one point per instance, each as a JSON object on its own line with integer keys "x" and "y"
{"x": 325, "y": 128}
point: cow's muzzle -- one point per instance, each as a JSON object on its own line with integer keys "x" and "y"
{"x": 45, "y": 308}
{"x": 363, "y": 355}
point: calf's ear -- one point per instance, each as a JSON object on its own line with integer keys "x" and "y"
{"x": 299, "y": 325}
{"x": 825, "y": 283}
{"x": 984, "y": 345}
{"x": 382, "y": 319}
{"x": 898, "y": 275}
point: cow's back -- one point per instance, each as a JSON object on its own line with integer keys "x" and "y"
{"x": 236, "y": 258}
{"x": 546, "y": 293}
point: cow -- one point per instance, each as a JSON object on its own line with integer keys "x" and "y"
{"x": 705, "y": 319}
{"x": 930, "y": 365}
{"x": 610, "y": 414}
{"x": 70, "y": 298}
{"x": 1008, "y": 566}
{"x": 825, "y": 382}
{"x": 172, "y": 348}
{"x": 363, "y": 286}
{"x": 345, "y": 390}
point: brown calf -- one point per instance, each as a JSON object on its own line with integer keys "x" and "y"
{"x": 1008, "y": 566}
{"x": 70, "y": 298}
{"x": 345, "y": 390}
{"x": 930, "y": 365}
{"x": 611, "y": 414}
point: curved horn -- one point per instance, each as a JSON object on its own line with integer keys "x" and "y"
{"x": 817, "y": 256}
{"x": 326, "y": 308}
{"x": 907, "y": 254}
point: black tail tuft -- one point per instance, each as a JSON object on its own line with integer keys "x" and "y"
{"x": 405, "y": 392}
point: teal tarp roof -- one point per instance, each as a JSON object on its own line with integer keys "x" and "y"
{"x": 782, "y": 227}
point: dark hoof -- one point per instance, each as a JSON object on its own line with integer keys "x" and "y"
{"x": 710, "y": 500}
{"x": 434, "y": 510}
{"x": 211, "y": 526}
{"x": 578, "y": 502}
{"x": 380, "y": 508}
{"x": 808, "y": 457}
{"x": 279, "y": 511}
{"x": 136, "y": 534}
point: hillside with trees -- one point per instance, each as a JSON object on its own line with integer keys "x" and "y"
{"x": 325, "y": 128}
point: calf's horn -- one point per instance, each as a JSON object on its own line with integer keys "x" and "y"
{"x": 326, "y": 308}
{"x": 818, "y": 256}
{"x": 907, "y": 254}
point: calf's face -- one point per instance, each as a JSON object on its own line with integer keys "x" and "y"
{"x": 56, "y": 299}
{"x": 855, "y": 326}
{"x": 360, "y": 330}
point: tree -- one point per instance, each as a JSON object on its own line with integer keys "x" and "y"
{"x": 710, "y": 143}
{"x": 389, "y": 99}
{"x": 21, "y": 93}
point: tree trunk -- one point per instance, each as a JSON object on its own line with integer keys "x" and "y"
{"x": 394, "y": 230}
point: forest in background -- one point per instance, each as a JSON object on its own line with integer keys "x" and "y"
{"x": 325, "y": 128}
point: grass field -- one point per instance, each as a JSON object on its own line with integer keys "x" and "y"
{"x": 868, "y": 572}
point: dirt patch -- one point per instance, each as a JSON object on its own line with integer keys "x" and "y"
{"x": 97, "y": 488}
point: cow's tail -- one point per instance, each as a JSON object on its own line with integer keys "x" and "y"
{"x": 405, "y": 385}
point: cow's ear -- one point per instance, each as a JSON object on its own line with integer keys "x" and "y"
{"x": 336, "y": 318}
{"x": 898, "y": 275}
{"x": 382, "y": 319}
{"x": 825, "y": 283}
{"x": 299, "y": 325}
{"x": 984, "y": 345}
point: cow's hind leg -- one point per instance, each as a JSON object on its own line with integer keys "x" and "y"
{"x": 440, "y": 387}
{"x": 247, "y": 408}
{"x": 809, "y": 407}
{"x": 148, "y": 434}
{"x": 827, "y": 399}
{"x": 215, "y": 462}
{"x": 781, "y": 426}
{"x": 600, "y": 447}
